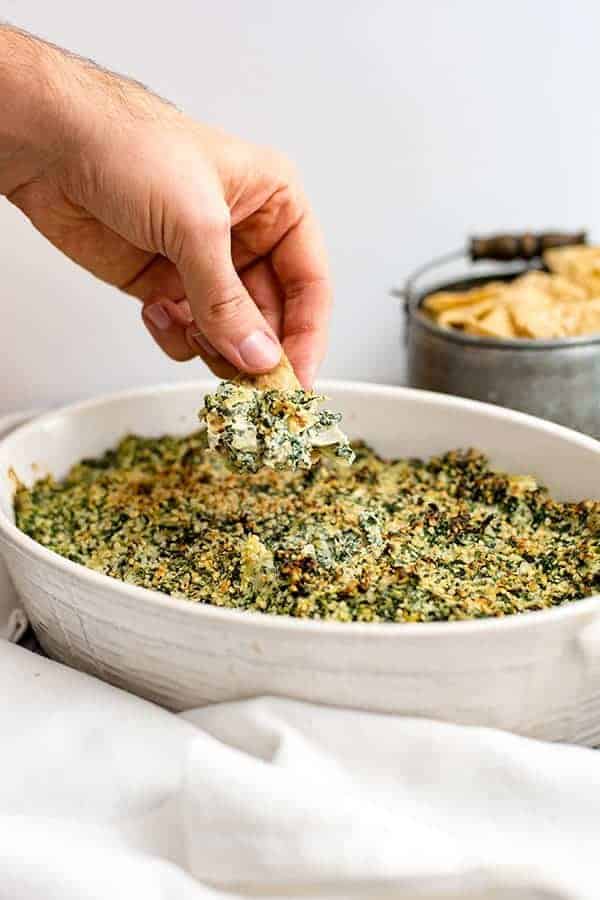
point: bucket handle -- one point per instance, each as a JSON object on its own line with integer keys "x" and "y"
{"x": 406, "y": 292}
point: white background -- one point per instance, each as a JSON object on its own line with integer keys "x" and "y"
{"x": 414, "y": 123}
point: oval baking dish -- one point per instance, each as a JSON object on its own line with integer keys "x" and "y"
{"x": 537, "y": 674}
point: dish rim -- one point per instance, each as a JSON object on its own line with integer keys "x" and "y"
{"x": 223, "y": 615}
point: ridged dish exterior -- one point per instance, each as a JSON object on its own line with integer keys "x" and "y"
{"x": 537, "y": 674}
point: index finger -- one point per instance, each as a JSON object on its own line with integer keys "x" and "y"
{"x": 300, "y": 263}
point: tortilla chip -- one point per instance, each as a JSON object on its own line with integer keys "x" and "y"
{"x": 535, "y": 318}
{"x": 281, "y": 378}
{"x": 580, "y": 264}
{"x": 589, "y": 317}
{"x": 553, "y": 286}
{"x": 461, "y": 314}
{"x": 442, "y": 300}
{"x": 564, "y": 302}
{"x": 571, "y": 317}
{"x": 498, "y": 323}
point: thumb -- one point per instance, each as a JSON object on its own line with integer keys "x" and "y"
{"x": 223, "y": 310}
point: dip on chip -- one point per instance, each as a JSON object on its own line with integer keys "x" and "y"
{"x": 277, "y": 429}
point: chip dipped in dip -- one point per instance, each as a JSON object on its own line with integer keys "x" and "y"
{"x": 278, "y": 428}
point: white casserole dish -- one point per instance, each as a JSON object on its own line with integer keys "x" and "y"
{"x": 537, "y": 674}
{"x": 13, "y": 622}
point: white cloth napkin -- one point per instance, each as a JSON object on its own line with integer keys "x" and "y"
{"x": 104, "y": 796}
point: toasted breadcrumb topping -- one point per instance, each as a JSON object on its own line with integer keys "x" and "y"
{"x": 378, "y": 541}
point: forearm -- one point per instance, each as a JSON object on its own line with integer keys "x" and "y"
{"x": 40, "y": 89}
{"x": 52, "y": 102}
{"x": 30, "y": 102}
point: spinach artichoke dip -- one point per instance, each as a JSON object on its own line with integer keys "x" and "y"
{"x": 378, "y": 541}
{"x": 279, "y": 429}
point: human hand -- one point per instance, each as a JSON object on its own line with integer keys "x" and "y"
{"x": 212, "y": 234}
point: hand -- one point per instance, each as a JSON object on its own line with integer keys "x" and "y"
{"x": 212, "y": 234}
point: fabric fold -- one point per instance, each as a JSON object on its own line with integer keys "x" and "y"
{"x": 104, "y": 795}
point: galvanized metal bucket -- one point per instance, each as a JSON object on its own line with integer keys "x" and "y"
{"x": 557, "y": 379}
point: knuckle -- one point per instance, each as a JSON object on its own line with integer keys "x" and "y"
{"x": 297, "y": 289}
{"x": 302, "y": 328}
{"x": 222, "y": 305}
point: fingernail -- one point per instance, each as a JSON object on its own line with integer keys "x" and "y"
{"x": 205, "y": 345}
{"x": 158, "y": 316}
{"x": 259, "y": 351}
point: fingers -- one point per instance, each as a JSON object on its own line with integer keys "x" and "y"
{"x": 262, "y": 285}
{"x": 223, "y": 309}
{"x": 205, "y": 350}
{"x": 166, "y": 321}
{"x": 170, "y": 320}
{"x": 283, "y": 292}
{"x": 165, "y": 313}
{"x": 168, "y": 317}
{"x": 172, "y": 326}
{"x": 300, "y": 264}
